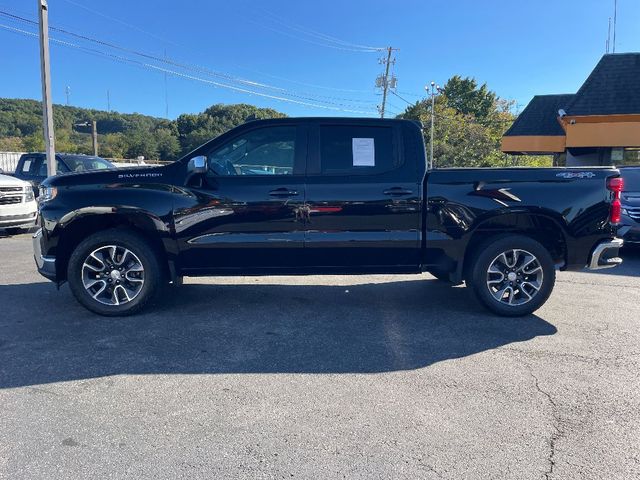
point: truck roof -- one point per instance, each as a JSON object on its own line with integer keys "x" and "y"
{"x": 345, "y": 120}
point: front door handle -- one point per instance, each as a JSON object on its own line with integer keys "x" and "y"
{"x": 283, "y": 192}
{"x": 397, "y": 191}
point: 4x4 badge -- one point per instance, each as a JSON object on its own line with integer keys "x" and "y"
{"x": 576, "y": 174}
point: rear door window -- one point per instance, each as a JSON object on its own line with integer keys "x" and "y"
{"x": 357, "y": 150}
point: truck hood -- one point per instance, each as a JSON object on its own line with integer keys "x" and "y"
{"x": 8, "y": 181}
{"x": 109, "y": 175}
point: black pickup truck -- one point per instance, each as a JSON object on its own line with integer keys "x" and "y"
{"x": 324, "y": 196}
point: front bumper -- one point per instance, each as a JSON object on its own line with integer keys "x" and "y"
{"x": 19, "y": 215}
{"x": 605, "y": 254}
{"x": 46, "y": 264}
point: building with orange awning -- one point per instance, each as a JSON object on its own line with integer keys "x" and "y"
{"x": 598, "y": 125}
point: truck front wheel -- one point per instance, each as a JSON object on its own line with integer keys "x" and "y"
{"x": 512, "y": 275}
{"x": 114, "y": 273}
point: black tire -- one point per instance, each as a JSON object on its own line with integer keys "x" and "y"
{"x": 143, "y": 254}
{"x": 487, "y": 286}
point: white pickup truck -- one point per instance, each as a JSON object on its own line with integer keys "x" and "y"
{"x": 18, "y": 208}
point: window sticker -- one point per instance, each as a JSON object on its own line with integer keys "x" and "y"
{"x": 26, "y": 166}
{"x": 364, "y": 152}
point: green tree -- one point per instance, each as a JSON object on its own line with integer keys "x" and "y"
{"x": 140, "y": 143}
{"x": 167, "y": 143}
{"x": 33, "y": 142}
{"x": 465, "y": 97}
{"x": 194, "y": 130}
{"x": 122, "y": 135}
{"x": 469, "y": 123}
{"x": 113, "y": 145}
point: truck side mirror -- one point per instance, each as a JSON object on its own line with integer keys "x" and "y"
{"x": 197, "y": 167}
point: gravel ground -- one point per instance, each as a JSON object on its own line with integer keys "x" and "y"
{"x": 319, "y": 377}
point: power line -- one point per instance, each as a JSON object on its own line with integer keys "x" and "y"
{"x": 313, "y": 42}
{"x": 202, "y": 70}
{"x": 403, "y": 99}
{"x": 186, "y": 76}
{"x": 330, "y": 41}
{"x": 412, "y": 94}
{"x": 122, "y": 22}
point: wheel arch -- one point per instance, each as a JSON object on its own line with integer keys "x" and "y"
{"x": 545, "y": 228}
{"x": 77, "y": 226}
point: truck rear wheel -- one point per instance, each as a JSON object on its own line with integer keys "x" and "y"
{"x": 512, "y": 275}
{"x": 114, "y": 273}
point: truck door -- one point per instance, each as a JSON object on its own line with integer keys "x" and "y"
{"x": 247, "y": 212}
{"x": 363, "y": 198}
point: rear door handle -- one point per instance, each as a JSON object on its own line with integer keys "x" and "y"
{"x": 283, "y": 192}
{"x": 397, "y": 191}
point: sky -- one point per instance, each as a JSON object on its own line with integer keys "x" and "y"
{"x": 303, "y": 58}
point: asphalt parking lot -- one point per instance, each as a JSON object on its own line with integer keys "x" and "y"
{"x": 320, "y": 377}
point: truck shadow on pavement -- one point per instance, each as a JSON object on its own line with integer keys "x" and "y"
{"x": 45, "y": 336}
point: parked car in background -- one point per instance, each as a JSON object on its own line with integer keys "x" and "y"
{"x": 631, "y": 205}
{"x": 32, "y": 167}
{"x": 18, "y": 208}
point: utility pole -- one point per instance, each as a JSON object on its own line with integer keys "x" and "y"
{"x": 435, "y": 90}
{"x": 383, "y": 81}
{"x": 45, "y": 71}
{"x": 94, "y": 135}
{"x": 67, "y": 92}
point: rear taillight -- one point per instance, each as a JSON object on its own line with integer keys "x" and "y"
{"x": 615, "y": 185}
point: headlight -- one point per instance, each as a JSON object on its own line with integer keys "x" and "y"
{"x": 28, "y": 194}
{"x": 47, "y": 194}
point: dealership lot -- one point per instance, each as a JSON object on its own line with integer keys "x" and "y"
{"x": 319, "y": 377}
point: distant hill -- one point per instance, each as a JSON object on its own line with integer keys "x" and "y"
{"x": 120, "y": 135}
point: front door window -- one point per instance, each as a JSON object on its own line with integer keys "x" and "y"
{"x": 265, "y": 151}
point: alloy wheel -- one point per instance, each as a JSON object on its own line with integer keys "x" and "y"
{"x": 515, "y": 277}
{"x": 113, "y": 275}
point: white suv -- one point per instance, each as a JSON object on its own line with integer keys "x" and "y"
{"x": 18, "y": 208}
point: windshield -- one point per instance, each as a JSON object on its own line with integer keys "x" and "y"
{"x": 82, "y": 163}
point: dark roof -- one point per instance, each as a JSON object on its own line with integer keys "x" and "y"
{"x": 541, "y": 116}
{"x": 612, "y": 88}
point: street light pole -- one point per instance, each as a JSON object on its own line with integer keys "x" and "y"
{"x": 433, "y": 104}
{"x": 434, "y": 89}
{"x": 45, "y": 70}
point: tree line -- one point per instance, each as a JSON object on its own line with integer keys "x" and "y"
{"x": 469, "y": 121}
{"x": 120, "y": 135}
{"x": 469, "y": 118}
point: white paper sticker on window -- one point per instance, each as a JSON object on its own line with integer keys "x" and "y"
{"x": 364, "y": 152}
{"x": 26, "y": 165}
